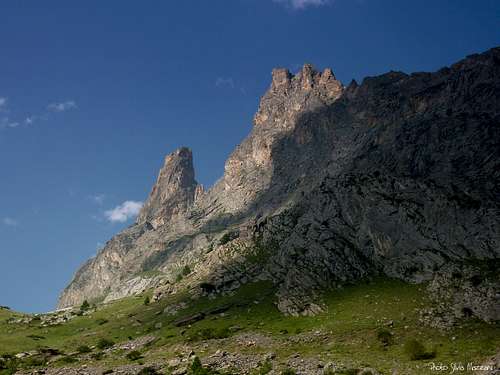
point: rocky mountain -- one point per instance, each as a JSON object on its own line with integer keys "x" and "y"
{"x": 398, "y": 175}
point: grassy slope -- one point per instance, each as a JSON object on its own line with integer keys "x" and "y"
{"x": 352, "y": 320}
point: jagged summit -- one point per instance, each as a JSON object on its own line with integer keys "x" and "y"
{"x": 289, "y": 95}
{"x": 307, "y": 78}
{"x": 174, "y": 190}
{"x": 397, "y": 176}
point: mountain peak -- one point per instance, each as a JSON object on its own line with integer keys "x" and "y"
{"x": 290, "y": 95}
{"x": 173, "y": 191}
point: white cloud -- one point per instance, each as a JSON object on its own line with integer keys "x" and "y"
{"x": 224, "y": 82}
{"x": 62, "y": 107}
{"x": 125, "y": 211}
{"x": 301, "y": 4}
{"x": 9, "y": 222}
{"x": 6, "y": 123}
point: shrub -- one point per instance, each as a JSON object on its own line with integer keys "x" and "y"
{"x": 476, "y": 280}
{"x": 186, "y": 270}
{"x": 147, "y": 300}
{"x": 67, "y": 359}
{"x": 83, "y": 349}
{"x": 197, "y": 368}
{"x": 265, "y": 368}
{"x": 97, "y": 356}
{"x": 384, "y": 336}
{"x": 416, "y": 350}
{"x": 288, "y": 371}
{"x": 207, "y": 288}
{"x": 210, "y": 248}
{"x": 148, "y": 371}
{"x": 104, "y": 344}
{"x": 348, "y": 371}
{"x": 101, "y": 321}
{"x": 34, "y": 361}
{"x": 228, "y": 237}
{"x": 8, "y": 365}
{"x": 106, "y": 372}
{"x": 212, "y": 333}
{"x": 85, "y": 306}
{"x": 179, "y": 277}
{"x": 134, "y": 355}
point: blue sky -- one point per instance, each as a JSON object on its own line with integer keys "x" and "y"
{"x": 94, "y": 94}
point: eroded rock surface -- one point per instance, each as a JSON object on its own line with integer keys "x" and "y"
{"x": 399, "y": 175}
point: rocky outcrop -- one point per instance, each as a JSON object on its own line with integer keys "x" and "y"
{"x": 398, "y": 175}
{"x": 174, "y": 192}
{"x": 458, "y": 291}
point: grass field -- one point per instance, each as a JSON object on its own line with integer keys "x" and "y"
{"x": 350, "y": 329}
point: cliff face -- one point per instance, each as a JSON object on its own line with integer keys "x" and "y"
{"x": 174, "y": 191}
{"x": 399, "y": 175}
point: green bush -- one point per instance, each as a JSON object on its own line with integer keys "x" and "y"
{"x": 67, "y": 359}
{"x": 228, "y": 237}
{"x": 186, "y": 270}
{"x": 101, "y": 321}
{"x": 134, "y": 355}
{"x": 197, "y": 368}
{"x": 104, "y": 344}
{"x": 288, "y": 371}
{"x": 35, "y": 361}
{"x": 210, "y": 248}
{"x": 148, "y": 371}
{"x": 416, "y": 350}
{"x": 385, "y": 337}
{"x": 348, "y": 371}
{"x": 147, "y": 300}
{"x": 83, "y": 349}
{"x": 97, "y": 356}
{"x": 212, "y": 333}
{"x": 8, "y": 364}
{"x": 266, "y": 368}
{"x": 85, "y": 306}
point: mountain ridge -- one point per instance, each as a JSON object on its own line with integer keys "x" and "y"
{"x": 397, "y": 175}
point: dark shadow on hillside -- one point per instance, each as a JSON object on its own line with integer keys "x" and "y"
{"x": 371, "y": 143}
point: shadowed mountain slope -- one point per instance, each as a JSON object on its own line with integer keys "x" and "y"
{"x": 399, "y": 175}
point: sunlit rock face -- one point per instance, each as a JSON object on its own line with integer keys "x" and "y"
{"x": 398, "y": 175}
{"x": 174, "y": 191}
{"x": 249, "y": 169}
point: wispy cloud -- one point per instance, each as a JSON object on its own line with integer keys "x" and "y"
{"x": 98, "y": 198}
{"x": 3, "y": 103}
{"x": 62, "y": 106}
{"x": 10, "y": 222}
{"x": 224, "y": 82}
{"x": 125, "y": 211}
{"x": 7, "y": 123}
{"x": 30, "y": 120}
{"x": 302, "y": 4}
{"x": 51, "y": 109}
